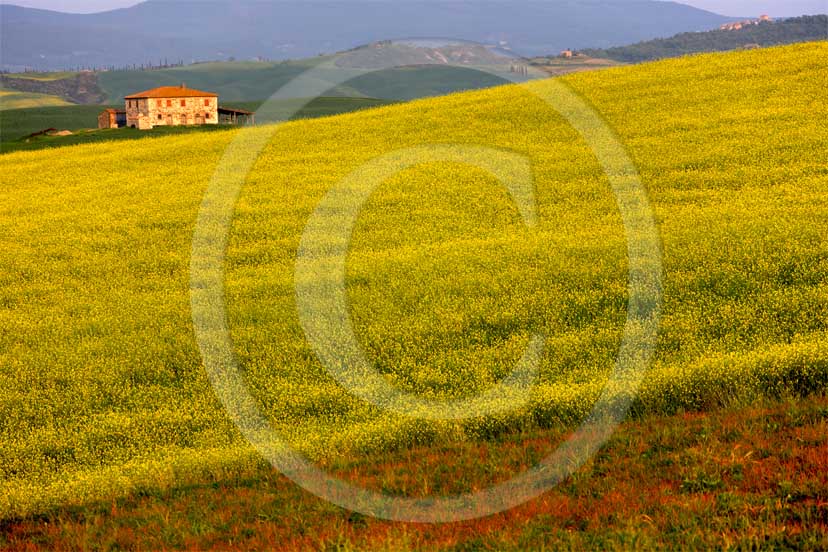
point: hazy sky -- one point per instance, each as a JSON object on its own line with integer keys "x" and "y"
{"x": 777, "y": 8}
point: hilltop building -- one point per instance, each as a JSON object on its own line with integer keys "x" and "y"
{"x": 738, "y": 25}
{"x": 172, "y": 106}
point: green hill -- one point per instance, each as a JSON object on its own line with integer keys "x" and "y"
{"x": 17, "y": 123}
{"x": 256, "y": 81}
{"x": 246, "y": 81}
{"x": 787, "y": 31}
{"x": 104, "y": 391}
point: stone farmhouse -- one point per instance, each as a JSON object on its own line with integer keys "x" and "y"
{"x": 171, "y": 106}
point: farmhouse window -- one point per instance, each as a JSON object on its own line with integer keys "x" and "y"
{"x": 169, "y": 103}
{"x": 206, "y": 102}
{"x": 183, "y": 103}
{"x": 159, "y": 116}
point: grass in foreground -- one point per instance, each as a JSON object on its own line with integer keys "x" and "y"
{"x": 742, "y": 479}
{"x": 102, "y": 391}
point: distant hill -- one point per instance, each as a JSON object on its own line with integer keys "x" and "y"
{"x": 787, "y": 31}
{"x": 258, "y": 81}
{"x": 243, "y": 29}
{"x": 420, "y": 70}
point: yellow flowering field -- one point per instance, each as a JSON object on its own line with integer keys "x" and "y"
{"x": 102, "y": 388}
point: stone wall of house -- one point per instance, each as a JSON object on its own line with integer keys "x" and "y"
{"x": 138, "y": 114}
{"x": 151, "y": 112}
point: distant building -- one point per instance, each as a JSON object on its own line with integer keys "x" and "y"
{"x": 566, "y": 54}
{"x": 171, "y": 106}
{"x": 742, "y": 24}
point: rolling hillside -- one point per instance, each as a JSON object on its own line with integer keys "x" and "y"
{"x": 420, "y": 76}
{"x": 104, "y": 392}
{"x": 158, "y": 30}
{"x": 253, "y": 81}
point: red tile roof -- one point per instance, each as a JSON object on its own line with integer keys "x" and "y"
{"x": 171, "y": 92}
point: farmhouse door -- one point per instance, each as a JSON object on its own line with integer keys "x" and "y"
{"x": 199, "y": 120}
{"x": 169, "y": 120}
{"x": 183, "y": 118}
